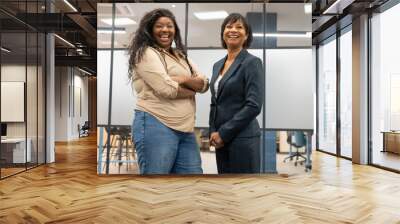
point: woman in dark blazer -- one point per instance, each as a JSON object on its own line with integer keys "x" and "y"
{"x": 237, "y": 95}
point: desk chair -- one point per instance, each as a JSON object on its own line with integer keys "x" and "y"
{"x": 298, "y": 140}
{"x": 84, "y": 130}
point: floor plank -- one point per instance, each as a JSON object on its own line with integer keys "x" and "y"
{"x": 70, "y": 191}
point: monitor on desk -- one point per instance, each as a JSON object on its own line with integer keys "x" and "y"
{"x": 3, "y": 130}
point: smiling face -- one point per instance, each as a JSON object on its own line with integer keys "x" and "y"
{"x": 235, "y": 34}
{"x": 164, "y": 32}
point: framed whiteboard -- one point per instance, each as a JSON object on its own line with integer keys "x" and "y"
{"x": 12, "y": 101}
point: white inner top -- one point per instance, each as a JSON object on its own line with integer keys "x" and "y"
{"x": 217, "y": 84}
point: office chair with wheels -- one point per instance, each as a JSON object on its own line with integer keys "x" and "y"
{"x": 84, "y": 130}
{"x": 298, "y": 140}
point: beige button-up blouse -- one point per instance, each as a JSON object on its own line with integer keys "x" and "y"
{"x": 157, "y": 92}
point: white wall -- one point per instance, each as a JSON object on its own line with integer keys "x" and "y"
{"x": 11, "y": 73}
{"x": 79, "y": 117}
{"x": 69, "y": 84}
{"x": 33, "y": 126}
{"x": 61, "y": 103}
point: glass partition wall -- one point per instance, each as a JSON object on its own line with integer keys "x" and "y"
{"x": 385, "y": 89}
{"x": 200, "y": 26}
{"x": 346, "y": 92}
{"x": 334, "y": 94}
{"x": 22, "y": 79}
{"x": 327, "y": 95}
{"x": 290, "y": 80}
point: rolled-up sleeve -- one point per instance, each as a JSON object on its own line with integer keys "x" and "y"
{"x": 152, "y": 70}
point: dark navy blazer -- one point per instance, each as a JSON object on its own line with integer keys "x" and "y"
{"x": 239, "y": 100}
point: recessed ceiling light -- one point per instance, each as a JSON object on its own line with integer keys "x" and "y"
{"x": 211, "y": 15}
{"x": 109, "y": 31}
{"x": 119, "y": 21}
{"x": 285, "y": 34}
{"x": 307, "y": 8}
{"x": 173, "y": 6}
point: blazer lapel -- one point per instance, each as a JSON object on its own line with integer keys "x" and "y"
{"x": 231, "y": 70}
{"x": 215, "y": 74}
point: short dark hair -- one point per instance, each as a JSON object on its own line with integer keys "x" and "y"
{"x": 232, "y": 18}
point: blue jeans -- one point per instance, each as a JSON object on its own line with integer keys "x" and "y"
{"x": 162, "y": 150}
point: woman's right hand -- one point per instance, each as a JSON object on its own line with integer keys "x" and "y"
{"x": 216, "y": 140}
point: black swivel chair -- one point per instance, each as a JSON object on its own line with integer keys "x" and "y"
{"x": 84, "y": 130}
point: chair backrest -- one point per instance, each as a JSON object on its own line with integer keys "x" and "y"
{"x": 86, "y": 125}
{"x": 289, "y": 137}
{"x": 298, "y": 139}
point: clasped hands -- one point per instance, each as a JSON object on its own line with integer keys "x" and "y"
{"x": 216, "y": 140}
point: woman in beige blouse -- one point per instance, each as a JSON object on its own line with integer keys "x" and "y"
{"x": 166, "y": 83}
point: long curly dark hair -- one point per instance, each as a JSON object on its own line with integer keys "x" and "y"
{"x": 143, "y": 38}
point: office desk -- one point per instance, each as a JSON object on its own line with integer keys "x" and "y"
{"x": 391, "y": 141}
{"x": 13, "y": 150}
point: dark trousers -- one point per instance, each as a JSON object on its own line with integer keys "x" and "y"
{"x": 242, "y": 155}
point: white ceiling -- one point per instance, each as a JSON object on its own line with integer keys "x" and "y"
{"x": 290, "y": 16}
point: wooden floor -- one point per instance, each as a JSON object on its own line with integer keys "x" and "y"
{"x": 70, "y": 191}
{"x": 386, "y": 159}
